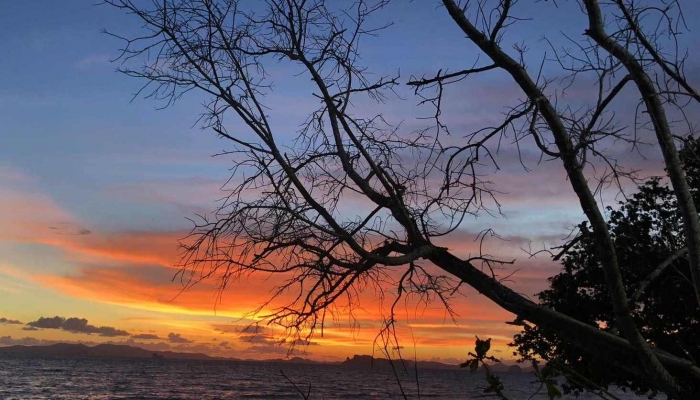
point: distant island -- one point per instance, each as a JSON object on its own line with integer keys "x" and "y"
{"x": 126, "y": 351}
{"x": 368, "y": 362}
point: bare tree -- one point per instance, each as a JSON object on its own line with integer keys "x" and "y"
{"x": 285, "y": 213}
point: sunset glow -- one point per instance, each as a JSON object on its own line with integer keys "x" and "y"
{"x": 96, "y": 190}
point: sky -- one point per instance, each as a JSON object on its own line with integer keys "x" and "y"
{"x": 96, "y": 186}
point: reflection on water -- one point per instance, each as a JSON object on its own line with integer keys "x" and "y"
{"x": 75, "y": 378}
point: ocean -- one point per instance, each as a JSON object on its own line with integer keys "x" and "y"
{"x": 95, "y": 378}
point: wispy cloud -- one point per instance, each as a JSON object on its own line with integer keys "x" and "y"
{"x": 93, "y": 61}
{"x": 146, "y": 336}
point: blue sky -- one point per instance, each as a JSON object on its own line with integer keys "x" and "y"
{"x": 69, "y": 122}
{"x": 68, "y": 119}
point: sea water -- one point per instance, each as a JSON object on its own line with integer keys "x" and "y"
{"x": 94, "y": 378}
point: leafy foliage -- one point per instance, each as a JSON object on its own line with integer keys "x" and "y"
{"x": 647, "y": 231}
{"x": 495, "y": 386}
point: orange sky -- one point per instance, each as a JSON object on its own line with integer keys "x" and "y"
{"x": 58, "y": 266}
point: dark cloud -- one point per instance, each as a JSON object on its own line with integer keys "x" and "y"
{"x": 4, "y": 320}
{"x": 109, "y": 331}
{"x": 30, "y": 328}
{"x": 27, "y": 341}
{"x": 147, "y": 336}
{"x": 48, "y": 323}
{"x": 75, "y": 325}
{"x": 176, "y": 338}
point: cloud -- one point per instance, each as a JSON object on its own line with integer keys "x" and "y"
{"x": 176, "y": 338}
{"x": 263, "y": 343}
{"x": 23, "y": 224}
{"x": 75, "y": 325}
{"x": 259, "y": 339}
{"x": 4, "y": 320}
{"x": 80, "y": 325}
{"x": 146, "y": 336}
{"x": 252, "y": 329}
{"x": 92, "y": 61}
{"x": 117, "y": 248}
{"x": 48, "y": 323}
{"x": 281, "y": 350}
{"x": 68, "y": 228}
{"x": 302, "y": 342}
{"x": 27, "y": 341}
{"x": 30, "y": 328}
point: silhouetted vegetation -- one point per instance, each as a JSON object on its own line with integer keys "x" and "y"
{"x": 647, "y": 230}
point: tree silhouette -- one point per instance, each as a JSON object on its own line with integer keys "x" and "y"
{"x": 286, "y": 211}
{"x": 647, "y": 230}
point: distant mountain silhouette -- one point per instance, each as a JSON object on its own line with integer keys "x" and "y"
{"x": 368, "y": 362}
{"x": 501, "y": 368}
{"x": 294, "y": 360}
{"x": 101, "y": 350}
{"x": 515, "y": 369}
{"x": 123, "y": 351}
{"x": 126, "y": 351}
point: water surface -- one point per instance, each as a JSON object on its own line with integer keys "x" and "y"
{"x": 94, "y": 378}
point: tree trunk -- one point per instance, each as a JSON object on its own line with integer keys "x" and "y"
{"x": 657, "y": 114}
{"x": 606, "y": 249}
